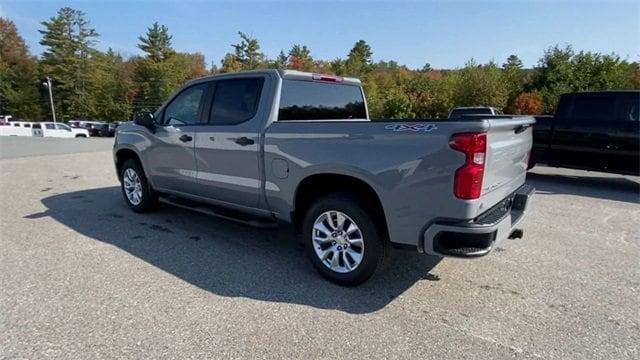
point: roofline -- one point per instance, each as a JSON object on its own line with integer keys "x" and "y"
{"x": 284, "y": 74}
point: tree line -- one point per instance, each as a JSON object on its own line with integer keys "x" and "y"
{"x": 91, "y": 84}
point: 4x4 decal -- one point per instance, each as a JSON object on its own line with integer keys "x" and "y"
{"x": 411, "y": 127}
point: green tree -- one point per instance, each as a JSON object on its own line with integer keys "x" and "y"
{"x": 514, "y": 76}
{"x": 112, "y": 87}
{"x": 246, "y": 55}
{"x": 156, "y": 43}
{"x": 68, "y": 42}
{"x": 359, "y": 59}
{"x": 154, "y": 75}
{"x": 554, "y": 75}
{"x": 281, "y": 61}
{"x": 481, "y": 85}
{"x": 19, "y": 94}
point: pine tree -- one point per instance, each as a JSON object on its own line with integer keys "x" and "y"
{"x": 359, "y": 59}
{"x": 156, "y": 43}
{"x": 281, "y": 61}
{"x": 68, "y": 41}
{"x": 246, "y": 55}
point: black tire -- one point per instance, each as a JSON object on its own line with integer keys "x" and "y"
{"x": 149, "y": 199}
{"x": 376, "y": 246}
{"x": 81, "y": 136}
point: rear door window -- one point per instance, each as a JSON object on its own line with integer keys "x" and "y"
{"x": 235, "y": 100}
{"x": 593, "y": 109}
{"x": 49, "y": 126}
{"x": 309, "y": 100}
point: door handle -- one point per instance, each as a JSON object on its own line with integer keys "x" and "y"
{"x": 185, "y": 138}
{"x": 244, "y": 141}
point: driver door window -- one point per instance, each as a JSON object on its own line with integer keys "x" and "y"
{"x": 185, "y": 108}
{"x": 63, "y": 127}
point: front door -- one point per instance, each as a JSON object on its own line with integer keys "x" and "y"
{"x": 64, "y": 130}
{"x": 170, "y": 160}
{"x": 227, "y": 146}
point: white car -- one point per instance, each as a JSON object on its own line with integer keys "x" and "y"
{"x": 50, "y": 129}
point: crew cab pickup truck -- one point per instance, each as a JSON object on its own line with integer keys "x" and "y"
{"x": 274, "y": 146}
{"x": 592, "y": 131}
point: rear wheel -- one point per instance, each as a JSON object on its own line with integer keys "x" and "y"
{"x": 343, "y": 241}
{"x": 136, "y": 190}
{"x": 81, "y": 136}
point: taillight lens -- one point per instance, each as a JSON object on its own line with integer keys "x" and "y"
{"x": 468, "y": 178}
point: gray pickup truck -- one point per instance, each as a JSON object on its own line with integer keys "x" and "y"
{"x": 271, "y": 146}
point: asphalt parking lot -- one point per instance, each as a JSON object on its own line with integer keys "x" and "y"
{"x": 84, "y": 277}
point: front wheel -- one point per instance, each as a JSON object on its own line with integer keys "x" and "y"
{"x": 343, "y": 241}
{"x": 136, "y": 190}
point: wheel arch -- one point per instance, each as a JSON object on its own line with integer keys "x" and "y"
{"x": 124, "y": 154}
{"x": 318, "y": 185}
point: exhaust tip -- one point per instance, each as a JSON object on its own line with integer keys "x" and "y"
{"x": 516, "y": 234}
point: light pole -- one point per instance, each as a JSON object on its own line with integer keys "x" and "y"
{"x": 48, "y": 85}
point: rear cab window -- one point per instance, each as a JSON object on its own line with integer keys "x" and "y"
{"x": 310, "y": 100}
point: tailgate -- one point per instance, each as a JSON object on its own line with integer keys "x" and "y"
{"x": 508, "y": 147}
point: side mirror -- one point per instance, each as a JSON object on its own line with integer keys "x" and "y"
{"x": 144, "y": 118}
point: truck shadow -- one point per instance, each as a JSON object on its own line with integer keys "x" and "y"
{"x": 226, "y": 258}
{"x": 600, "y": 187}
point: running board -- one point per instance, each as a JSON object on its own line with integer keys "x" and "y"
{"x": 226, "y": 214}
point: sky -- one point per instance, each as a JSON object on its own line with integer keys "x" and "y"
{"x": 445, "y": 34}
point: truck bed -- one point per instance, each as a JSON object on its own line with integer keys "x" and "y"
{"x": 402, "y": 160}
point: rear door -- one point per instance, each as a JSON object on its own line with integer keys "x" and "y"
{"x": 227, "y": 146}
{"x": 625, "y": 146}
{"x": 583, "y": 133}
{"x": 170, "y": 160}
{"x": 50, "y": 130}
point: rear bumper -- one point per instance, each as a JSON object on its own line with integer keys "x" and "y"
{"x": 479, "y": 236}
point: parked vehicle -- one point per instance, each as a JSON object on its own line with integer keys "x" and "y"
{"x": 51, "y": 129}
{"x": 17, "y": 128}
{"x": 112, "y": 128}
{"x": 473, "y": 110}
{"x": 592, "y": 131}
{"x": 265, "y": 146}
{"x": 98, "y": 129}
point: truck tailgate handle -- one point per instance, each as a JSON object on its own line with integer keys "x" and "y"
{"x": 521, "y": 128}
{"x": 244, "y": 141}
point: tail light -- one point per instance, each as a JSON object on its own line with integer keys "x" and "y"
{"x": 468, "y": 178}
